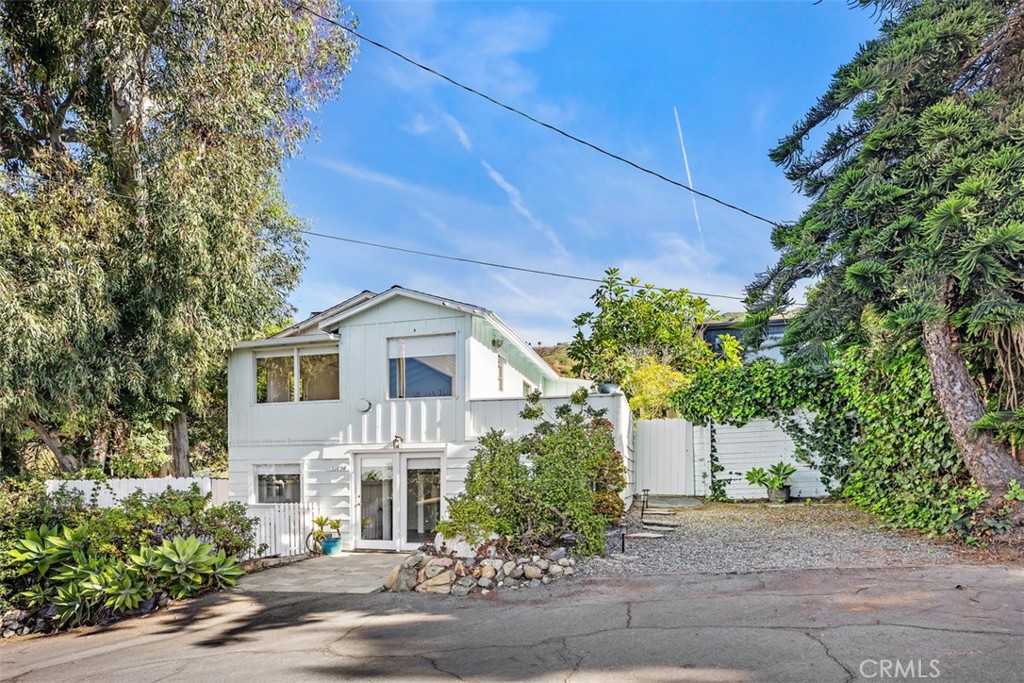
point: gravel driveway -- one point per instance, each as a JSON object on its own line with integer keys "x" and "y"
{"x": 721, "y": 537}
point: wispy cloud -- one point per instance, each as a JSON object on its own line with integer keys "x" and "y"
{"x": 515, "y": 198}
{"x": 370, "y": 176}
{"x": 459, "y": 131}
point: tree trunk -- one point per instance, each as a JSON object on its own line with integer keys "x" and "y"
{"x": 179, "y": 446}
{"x": 100, "y": 445}
{"x": 51, "y": 439}
{"x": 990, "y": 462}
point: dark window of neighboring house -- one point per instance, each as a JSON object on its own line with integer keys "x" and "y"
{"x": 275, "y": 379}
{"x": 421, "y": 367}
{"x": 318, "y": 376}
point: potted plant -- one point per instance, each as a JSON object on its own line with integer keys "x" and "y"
{"x": 328, "y": 541}
{"x": 774, "y": 479}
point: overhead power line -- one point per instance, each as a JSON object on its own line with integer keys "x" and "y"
{"x": 379, "y": 245}
{"x": 528, "y": 117}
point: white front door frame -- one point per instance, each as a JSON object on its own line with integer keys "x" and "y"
{"x": 397, "y": 460}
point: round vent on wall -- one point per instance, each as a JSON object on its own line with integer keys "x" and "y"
{"x": 364, "y": 405}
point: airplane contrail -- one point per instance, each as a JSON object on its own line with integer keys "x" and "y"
{"x": 689, "y": 178}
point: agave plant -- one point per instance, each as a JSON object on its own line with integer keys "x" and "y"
{"x": 73, "y": 606}
{"x": 184, "y": 564}
{"x": 226, "y": 571}
{"x": 124, "y": 586}
{"x": 31, "y": 554}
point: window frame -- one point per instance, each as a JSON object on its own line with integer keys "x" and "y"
{"x": 255, "y": 467}
{"x": 387, "y": 366}
{"x": 295, "y": 352}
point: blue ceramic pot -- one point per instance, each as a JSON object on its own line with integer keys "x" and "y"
{"x": 331, "y": 546}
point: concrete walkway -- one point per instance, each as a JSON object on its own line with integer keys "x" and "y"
{"x": 346, "y": 573}
{"x": 954, "y": 624}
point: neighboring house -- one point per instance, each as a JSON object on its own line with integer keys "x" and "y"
{"x": 769, "y": 348}
{"x": 372, "y": 410}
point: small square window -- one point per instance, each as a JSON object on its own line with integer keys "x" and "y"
{"x": 278, "y": 484}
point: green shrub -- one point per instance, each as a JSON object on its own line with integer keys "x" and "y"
{"x": 55, "y": 539}
{"x": 59, "y": 569}
{"x": 534, "y": 491}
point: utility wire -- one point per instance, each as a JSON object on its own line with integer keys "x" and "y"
{"x": 537, "y": 121}
{"x": 378, "y": 245}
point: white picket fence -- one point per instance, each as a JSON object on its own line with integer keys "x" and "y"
{"x": 109, "y": 492}
{"x": 283, "y": 528}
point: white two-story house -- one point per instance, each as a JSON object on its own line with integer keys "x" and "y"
{"x": 371, "y": 409}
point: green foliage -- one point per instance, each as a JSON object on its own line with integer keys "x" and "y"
{"x": 147, "y": 231}
{"x": 778, "y": 475}
{"x": 60, "y": 537}
{"x": 650, "y": 387}
{"x": 904, "y": 465}
{"x": 1014, "y": 491}
{"x": 145, "y": 451}
{"x": 757, "y": 476}
{"x": 64, "y": 571}
{"x": 533, "y": 491}
{"x": 917, "y": 213}
{"x": 632, "y": 323}
{"x": 183, "y": 565}
{"x": 802, "y": 399}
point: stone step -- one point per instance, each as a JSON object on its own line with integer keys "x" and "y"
{"x": 660, "y": 513}
{"x": 653, "y": 527}
{"x": 658, "y": 522}
{"x": 643, "y": 535}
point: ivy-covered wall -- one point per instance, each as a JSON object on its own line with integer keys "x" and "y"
{"x": 876, "y": 430}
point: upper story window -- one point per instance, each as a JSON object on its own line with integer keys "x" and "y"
{"x": 421, "y": 367}
{"x": 297, "y": 374}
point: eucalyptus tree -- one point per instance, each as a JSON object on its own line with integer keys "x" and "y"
{"x": 918, "y": 209}
{"x": 142, "y": 226}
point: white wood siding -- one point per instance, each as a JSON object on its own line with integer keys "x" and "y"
{"x": 673, "y": 457}
{"x": 759, "y": 443}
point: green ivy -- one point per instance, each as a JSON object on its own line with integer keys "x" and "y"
{"x": 802, "y": 400}
{"x": 867, "y": 421}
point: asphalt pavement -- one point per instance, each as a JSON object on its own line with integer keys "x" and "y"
{"x": 949, "y": 623}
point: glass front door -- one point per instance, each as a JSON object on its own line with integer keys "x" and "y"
{"x": 398, "y": 501}
{"x": 376, "y": 502}
{"x": 423, "y": 499}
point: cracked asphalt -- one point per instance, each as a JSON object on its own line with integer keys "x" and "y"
{"x": 948, "y": 623}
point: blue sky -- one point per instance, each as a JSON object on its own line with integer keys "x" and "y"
{"x": 406, "y": 159}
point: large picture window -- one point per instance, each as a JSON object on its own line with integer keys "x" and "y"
{"x": 278, "y": 484}
{"x": 421, "y": 367}
{"x": 275, "y": 379}
{"x": 318, "y": 376}
{"x": 297, "y": 375}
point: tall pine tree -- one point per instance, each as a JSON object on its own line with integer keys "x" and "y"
{"x": 918, "y": 209}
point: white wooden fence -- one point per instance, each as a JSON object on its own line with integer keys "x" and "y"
{"x": 673, "y": 457}
{"x": 109, "y": 492}
{"x": 283, "y": 528}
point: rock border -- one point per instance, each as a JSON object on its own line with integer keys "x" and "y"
{"x": 423, "y": 572}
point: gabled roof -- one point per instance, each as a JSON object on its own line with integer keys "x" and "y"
{"x": 343, "y": 312}
{"x": 312, "y": 323}
{"x": 329, "y": 320}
